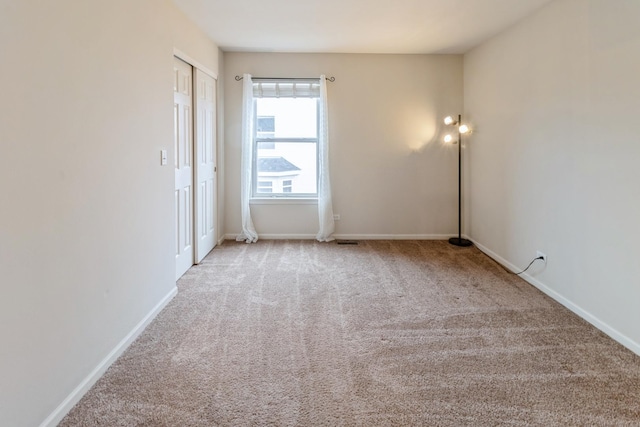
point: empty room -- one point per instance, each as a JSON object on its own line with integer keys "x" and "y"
{"x": 336, "y": 213}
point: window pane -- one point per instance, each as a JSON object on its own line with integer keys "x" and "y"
{"x": 287, "y": 185}
{"x": 265, "y": 186}
{"x": 289, "y": 166}
{"x": 287, "y": 117}
{"x": 265, "y": 128}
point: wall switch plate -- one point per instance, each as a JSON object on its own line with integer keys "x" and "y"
{"x": 163, "y": 157}
{"x": 336, "y": 217}
{"x": 540, "y": 254}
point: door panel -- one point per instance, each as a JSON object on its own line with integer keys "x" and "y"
{"x": 183, "y": 143}
{"x": 205, "y": 104}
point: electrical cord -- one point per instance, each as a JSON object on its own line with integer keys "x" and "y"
{"x": 530, "y": 264}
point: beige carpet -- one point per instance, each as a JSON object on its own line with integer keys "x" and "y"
{"x": 386, "y": 333}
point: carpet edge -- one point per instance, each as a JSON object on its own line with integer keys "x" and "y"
{"x": 275, "y": 236}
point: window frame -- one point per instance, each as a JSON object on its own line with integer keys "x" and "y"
{"x": 255, "y": 195}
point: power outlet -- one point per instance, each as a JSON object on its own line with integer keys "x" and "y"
{"x": 540, "y": 254}
{"x": 336, "y": 217}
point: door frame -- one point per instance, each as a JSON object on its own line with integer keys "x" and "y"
{"x": 196, "y": 65}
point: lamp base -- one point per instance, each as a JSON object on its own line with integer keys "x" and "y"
{"x": 458, "y": 241}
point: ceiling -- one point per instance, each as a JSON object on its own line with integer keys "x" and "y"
{"x": 355, "y": 26}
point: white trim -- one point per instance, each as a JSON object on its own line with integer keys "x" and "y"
{"x": 350, "y": 236}
{"x": 61, "y": 411}
{"x": 189, "y": 60}
{"x": 393, "y": 236}
{"x": 283, "y": 201}
{"x": 276, "y": 236}
{"x": 603, "y": 326}
{"x": 223, "y": 238}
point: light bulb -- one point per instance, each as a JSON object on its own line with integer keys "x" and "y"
{"x": 448, "y": 138}
{"x": 463, "y": 129}
{"x": 448, "y": 120}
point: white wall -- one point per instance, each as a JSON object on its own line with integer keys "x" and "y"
{"x": 553, "y": 159}
{"x": 391, "y": 174}
{"x": 86, "y": 218}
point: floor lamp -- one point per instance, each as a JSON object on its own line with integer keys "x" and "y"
{"x": 461, "y": 128}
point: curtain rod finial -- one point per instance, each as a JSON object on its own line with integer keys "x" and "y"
{"x": 238, "y": 78}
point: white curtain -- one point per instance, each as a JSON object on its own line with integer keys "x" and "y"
{"x": 325, "y": 206}
{"x": 248, "y": 234}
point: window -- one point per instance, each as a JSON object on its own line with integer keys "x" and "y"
{"x": 265, "y": 187}
{"x": 286, "y": 138}
{"x": 266, "y": 126}
{"x": 265, "y": 129}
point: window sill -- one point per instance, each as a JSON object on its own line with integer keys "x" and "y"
{"x": 284, "y": 201}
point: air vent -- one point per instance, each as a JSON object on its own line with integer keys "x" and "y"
{"x": 347, "y": 242}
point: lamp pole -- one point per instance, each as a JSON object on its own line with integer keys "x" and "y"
{"x": 459, "y": 241}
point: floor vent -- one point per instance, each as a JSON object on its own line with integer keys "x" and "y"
{"x": 347, "y": 242}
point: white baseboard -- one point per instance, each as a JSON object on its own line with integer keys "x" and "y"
{"x": 59, "y": 413}
{"x": 392, "y": 236}
{"x": 286, "y": 236}
{"x": 595, "y": 321}
{"x": 276, "y": 237}
{"x": 350, "y": 236}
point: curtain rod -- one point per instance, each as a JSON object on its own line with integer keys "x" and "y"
{"x": 331, "y": 79}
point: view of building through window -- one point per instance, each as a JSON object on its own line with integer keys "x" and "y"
{"x": 286, "y": 146}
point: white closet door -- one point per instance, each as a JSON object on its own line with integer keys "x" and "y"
{"x": 183, "y": 160}
{"x": 205, "y": 148}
